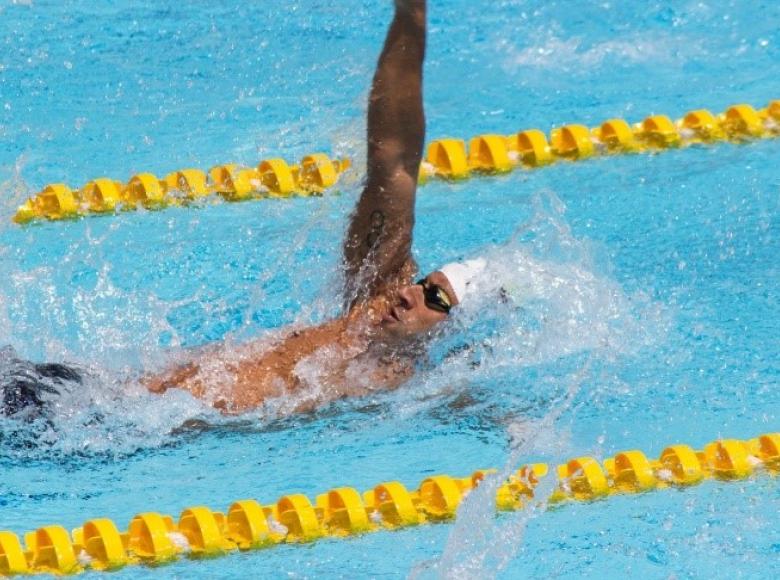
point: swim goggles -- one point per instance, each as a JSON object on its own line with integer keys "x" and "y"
{"x": 435, "y": 297}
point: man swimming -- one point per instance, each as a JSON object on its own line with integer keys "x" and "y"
{"x": 376, "y": 343}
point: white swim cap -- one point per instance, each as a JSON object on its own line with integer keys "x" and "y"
{"x": 463, "y": 276}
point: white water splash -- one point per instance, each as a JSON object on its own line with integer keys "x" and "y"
{"x": 180, "y": 541}
{"x": 15, "y": 189}
{"x": 557, "y": 304}
{"x": 549, "y": 51}
{"x": 481, "y": 544}
{"x": 277, "y": 527}
{"x": 84, "y": 558}
{"x": 548, "y": 298}
{"x": 543, "y": 299}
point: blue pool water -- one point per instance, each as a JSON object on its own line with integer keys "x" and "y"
{"x": 648, "y": 284}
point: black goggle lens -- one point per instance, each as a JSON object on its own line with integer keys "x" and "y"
{"x": 435, "y": 297}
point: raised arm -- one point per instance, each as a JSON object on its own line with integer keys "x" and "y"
{"x": 377, "y": 251}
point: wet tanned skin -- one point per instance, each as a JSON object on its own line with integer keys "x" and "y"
{"x": 383, "y": 334}
{"x": 376, "y": 343}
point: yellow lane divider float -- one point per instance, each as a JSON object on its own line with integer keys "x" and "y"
{"x": 152, "y": 538}
{"x": 271, "y": 178}
{"x": 446, "y": 158}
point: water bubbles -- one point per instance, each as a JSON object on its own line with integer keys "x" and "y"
{"x": 277, "y": 527}
{"x": 180, "y": 541}
{"x": 84, "y": 558}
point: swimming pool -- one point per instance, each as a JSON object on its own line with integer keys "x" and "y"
{"x": 661, "y": 324}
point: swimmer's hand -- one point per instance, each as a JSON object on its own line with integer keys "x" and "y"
{"x": 171, "y": 379}
{"x": 410, "y": 5}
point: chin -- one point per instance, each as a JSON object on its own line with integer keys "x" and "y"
{"x": 395, "y": 331}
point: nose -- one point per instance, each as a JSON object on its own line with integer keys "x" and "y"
{"x": 406, "y": 297}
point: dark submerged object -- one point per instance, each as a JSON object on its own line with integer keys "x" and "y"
{"x": 26, "y": 388}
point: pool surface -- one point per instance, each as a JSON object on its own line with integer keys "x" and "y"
{"x": 645, "y": 288}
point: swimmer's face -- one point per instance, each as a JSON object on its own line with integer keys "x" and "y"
{"x": 411, "y": 313}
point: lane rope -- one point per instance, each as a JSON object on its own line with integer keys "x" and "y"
{"x": 153, "y": 538}
{"x": 445, "y": 159}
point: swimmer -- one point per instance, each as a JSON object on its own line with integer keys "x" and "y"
{"x": 388, "y": 316}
